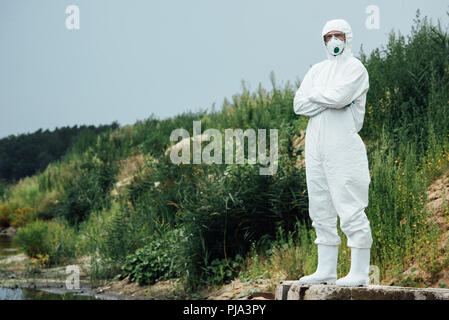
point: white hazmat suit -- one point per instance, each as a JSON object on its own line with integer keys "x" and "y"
{"x": 333, "y": 95}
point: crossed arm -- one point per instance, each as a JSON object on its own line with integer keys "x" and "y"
{"x": 309, "y": 100}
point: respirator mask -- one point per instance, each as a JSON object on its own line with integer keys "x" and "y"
{"x": 335, "y": 46}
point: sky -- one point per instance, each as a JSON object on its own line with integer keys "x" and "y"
{"x": 130, "y": 59}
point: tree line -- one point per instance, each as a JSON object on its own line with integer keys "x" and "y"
{"x": 28, "y": 153}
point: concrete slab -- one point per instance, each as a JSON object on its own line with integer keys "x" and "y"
{"x": 292, "y": 290}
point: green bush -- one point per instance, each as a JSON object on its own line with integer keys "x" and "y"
{"x": 221, "y": 271}
{"x": 47, "y": 238}
{"x": 156, "y": 261}
{"x": 408, "y": 87}
{"x": 5, "y": 221}
{"x": 225, "y": 216}
{"x": 89, "y": 191}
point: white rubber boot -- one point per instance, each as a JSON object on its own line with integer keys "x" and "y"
{"x": 359, "y": 273}
{"x": 326, "y": 272}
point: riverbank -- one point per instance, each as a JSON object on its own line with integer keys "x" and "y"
{"x": 10, "y": 231}
{"x": 17, "y": 271}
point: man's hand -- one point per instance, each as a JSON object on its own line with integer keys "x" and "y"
{"x": 353, "y": 102}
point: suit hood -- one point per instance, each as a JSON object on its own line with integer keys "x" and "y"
{"x": 343, "y": 26}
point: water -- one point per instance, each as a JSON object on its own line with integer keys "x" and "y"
{"x": 32, "y": 294}
{"x": 9, "y": 248}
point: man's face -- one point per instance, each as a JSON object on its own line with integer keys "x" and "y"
{"x": 340, "y": 35}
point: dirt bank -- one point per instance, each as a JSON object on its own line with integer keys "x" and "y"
{"x": 17, "y": 271}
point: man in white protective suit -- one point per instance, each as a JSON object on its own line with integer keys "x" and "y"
{"x": 333, "y": 95}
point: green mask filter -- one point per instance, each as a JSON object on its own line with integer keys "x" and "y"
{"x": 335, "y": 46}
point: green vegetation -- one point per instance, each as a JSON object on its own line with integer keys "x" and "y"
{"x": 26, "y": 154}
{"x": 135, "y": 213}
{"x": 47, "y": 242}
{"x": 156, "y": 261}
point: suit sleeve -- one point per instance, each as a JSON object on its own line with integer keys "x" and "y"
{"x": 302, "y": 104}
{"x": 354, "y": 83}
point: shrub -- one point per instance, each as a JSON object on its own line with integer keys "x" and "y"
{"x": 47, "y": 238}
{"x": 155, "y": 261}
{"x": 223, "y": 217}
{"x": 5, "y": 222}
{"x": 408, "y": 86}
{"x": 22, "y": 216}
{"x": 89, "y": 191}
{"x": 110, "y": 235}
{"x": 32, "y": 238}
{"x": 221, "y": 271}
